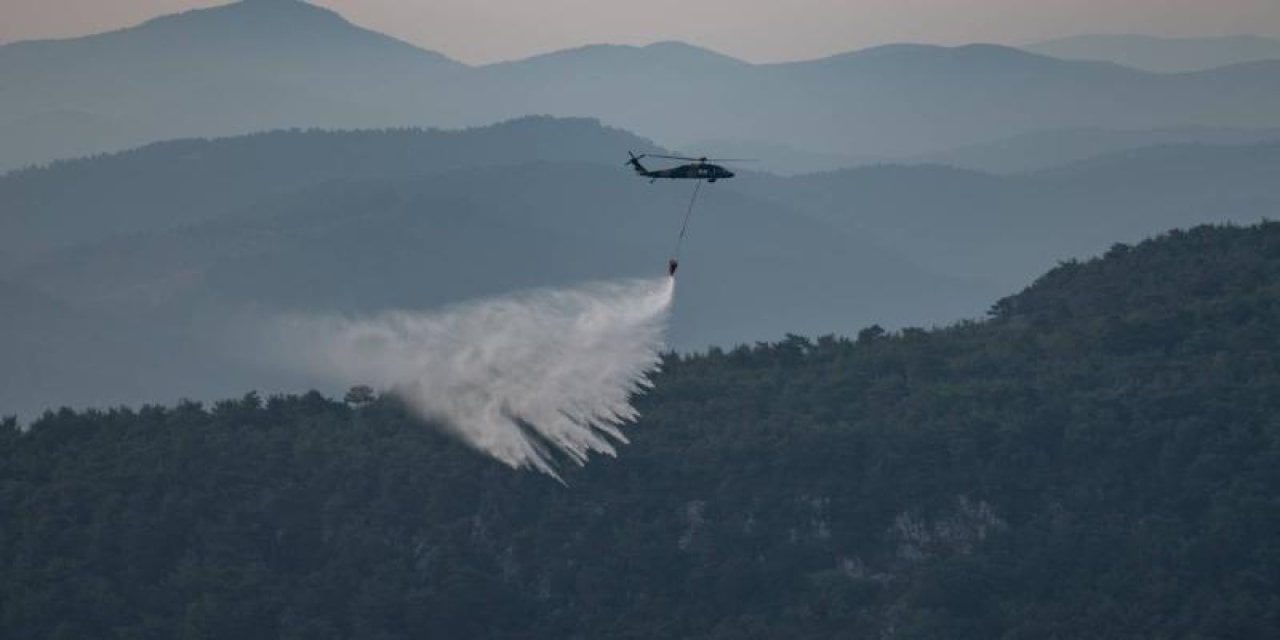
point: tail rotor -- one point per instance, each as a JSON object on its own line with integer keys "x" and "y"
{"x": 634, "y": 161}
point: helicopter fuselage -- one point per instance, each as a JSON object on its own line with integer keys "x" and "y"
{"x": 692, "y": 171}
{"x": 695, "y": 171}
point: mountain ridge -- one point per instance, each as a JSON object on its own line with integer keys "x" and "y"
{"x": 362, "y": 221}
{"x": 357, "y": 222}
{"x": 1162, "y": 54}
{"x": 893, "y": 101}
{"x": 930, "y": 53}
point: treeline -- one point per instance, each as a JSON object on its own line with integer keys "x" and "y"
{"x": 1100, "y": 458}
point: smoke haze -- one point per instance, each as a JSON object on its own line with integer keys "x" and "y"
{"x": 518, "y": 377}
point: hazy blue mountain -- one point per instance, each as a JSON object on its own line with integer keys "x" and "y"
{"x": 654, "y": 59}
{"x": 947, "y": 220}
{"x": 238, "y": 68}
{"x": 278, "y": 63}
{"x": 909, "y": 98}
{"x": 753, "y": 267}
{"x": 186, "y": 237}
{"x": 1000, "y": 230}
{"x": 167, "y": 185}
{"x": 886, "y": 101}
{"x": 1045, "y": 149}
{"x": 669, "y": 90}
{"x": 1022, "y": 153}
{"x": 1164, "y": 55}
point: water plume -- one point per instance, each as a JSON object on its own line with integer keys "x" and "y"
{"x": 522, "y": 378}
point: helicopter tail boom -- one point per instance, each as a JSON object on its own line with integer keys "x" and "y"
{"x": 635, "y": 164}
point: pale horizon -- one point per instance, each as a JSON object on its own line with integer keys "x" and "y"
{"x": 803, "y": 29}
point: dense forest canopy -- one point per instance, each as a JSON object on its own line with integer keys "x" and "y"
{"x": 1099, "y": 458}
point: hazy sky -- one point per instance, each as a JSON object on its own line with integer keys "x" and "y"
{"x": 758, "y": 30}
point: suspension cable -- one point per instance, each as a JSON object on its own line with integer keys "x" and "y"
{"x": 684, "y": 229}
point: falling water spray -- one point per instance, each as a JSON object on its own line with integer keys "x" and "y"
{"x": 522, "y": 378}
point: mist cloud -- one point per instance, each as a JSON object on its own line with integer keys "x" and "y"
{"x": 520, "y": 377}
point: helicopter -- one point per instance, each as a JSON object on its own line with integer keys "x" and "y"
{"x": 698, "y": 169}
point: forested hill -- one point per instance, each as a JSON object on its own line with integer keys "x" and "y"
{"x": 169, "y": 184}
{"x": 1098, "y": 459}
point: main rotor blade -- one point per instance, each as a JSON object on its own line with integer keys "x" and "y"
{"x": 705, "y": 159}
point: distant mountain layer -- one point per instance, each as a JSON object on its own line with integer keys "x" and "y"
{"x": 1162, "y": 55}
{"x": 166, "y": 185}
{"x": 190, "y": 235}
{"x": 243, "y": 67}
{"x": 1099, "y": 459}
{"x": 184, "y": 236}
{"x": 1046, "y": 149}
{"x": 258, "y": 65}
{"x": 1021, "y": 153}
{"x": 1001, "y": 230}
